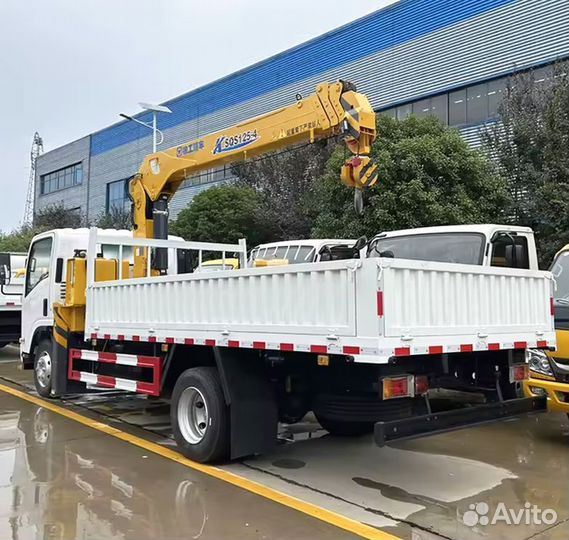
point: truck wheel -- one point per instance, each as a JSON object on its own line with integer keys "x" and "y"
{"x": 43, "y": 364}
{"x": 200, "y": 416}
{"x": 342, "y": 428}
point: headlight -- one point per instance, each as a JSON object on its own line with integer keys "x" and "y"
{"x": 539, "y": 362}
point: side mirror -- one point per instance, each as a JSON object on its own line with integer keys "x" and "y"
{"x": 5, "y": 271}
{"x": 361, "y": 243}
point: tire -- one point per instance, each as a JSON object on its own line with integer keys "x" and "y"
{"x": 351, "y": 416}
{"x": 43, "y": 366}
{"x": 200, "y": 416}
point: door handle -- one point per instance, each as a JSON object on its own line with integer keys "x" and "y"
{"x": 45, "y": 307}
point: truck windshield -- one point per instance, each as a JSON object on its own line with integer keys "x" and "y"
{"x": 560, "y": 271}
{"x": 464, "y": 248}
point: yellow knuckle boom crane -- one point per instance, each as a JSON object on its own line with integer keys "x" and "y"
{"x": 334, "y": 109}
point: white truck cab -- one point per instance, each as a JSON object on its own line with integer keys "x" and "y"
{"x": 485, "y": 245}
{"x": 11, "y": 287}
{"x": 45, "y": 280}
{"x": 302, "y": 251}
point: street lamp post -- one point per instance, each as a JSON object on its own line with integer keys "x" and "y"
{"x": 155, "y": 109}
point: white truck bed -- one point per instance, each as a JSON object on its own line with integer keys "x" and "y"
{"x": 373, "y": 309}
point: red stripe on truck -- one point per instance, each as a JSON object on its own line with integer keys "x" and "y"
{"x": 402, "y": 351}
{"x": 169, "y": 340}
{"x": 552, "y": 306}
{"x": 259, "y": 345}
{"x": 351, "y": 350}
{"x": 319, "y": 349}
{"x": 467, "y": 347}
{"x": 520, "y": 345}
{"x": 105, "y": 380}
{"x": 542, "y": 344}
{"x": 436, "y": 349}
{"x": 286, "y": 346}
{"x": 493, "y": 346}
{"x": 232, "y": 343}
{"x": 210, "y": 342}
{"x": 109, "y": 357}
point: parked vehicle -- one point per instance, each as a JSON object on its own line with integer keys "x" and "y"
{"x": 549, "y": 369}
{"x": 302, "y": 251}
{"x": 358, "y": 341}
{"x": 11, "y": 267}
{"x": 502, "y": 246}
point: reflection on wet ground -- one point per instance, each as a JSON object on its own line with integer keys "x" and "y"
{"x": 59, "y": 479}
{"x": 418, "y": 489}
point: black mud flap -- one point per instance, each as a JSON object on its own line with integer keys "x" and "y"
{"x": 251, "y": 400}
{"x": 415, "y": 427}
{"x": 61, "y": 385}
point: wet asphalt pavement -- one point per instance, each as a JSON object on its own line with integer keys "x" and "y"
{"x": 59, "y": 479}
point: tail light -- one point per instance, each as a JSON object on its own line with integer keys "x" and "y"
{"x": 398, "y": 387}
{"x": 519, "y": 372}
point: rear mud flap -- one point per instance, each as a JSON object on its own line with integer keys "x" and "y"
{"x": 431, "y": 424}
{"x": 251, "y": 400}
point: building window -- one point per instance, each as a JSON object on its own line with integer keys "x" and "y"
{"x": 403, "y": 111}
{"x": 471, "y": 105}
{"x": 61, "y": 179}
{"x": 477, "y": 104}
{"x": 211, "y": 175}
{"x": 117, "y": 196}
{"x": 457, "y": 108}
{"x": 496, "y": 92}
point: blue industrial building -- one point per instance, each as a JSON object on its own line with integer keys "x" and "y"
{"x": 448, "y": 58}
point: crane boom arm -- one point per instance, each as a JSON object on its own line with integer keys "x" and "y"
{"x": 335, "y": 108}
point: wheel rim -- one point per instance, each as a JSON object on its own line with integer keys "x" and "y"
{"x": 43, "y": 369}
{"x": 193, "y": 415}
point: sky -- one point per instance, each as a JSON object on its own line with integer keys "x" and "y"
{"x": 69, "y": 67}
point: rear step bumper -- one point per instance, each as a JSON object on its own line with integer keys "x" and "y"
{"x": 415, "y": 427}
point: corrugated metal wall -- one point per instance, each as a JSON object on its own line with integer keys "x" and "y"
{"x": 412, "y": 49}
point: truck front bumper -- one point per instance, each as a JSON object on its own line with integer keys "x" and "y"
{"x": 557, "y": 393}
{"x": 415, "y": 427}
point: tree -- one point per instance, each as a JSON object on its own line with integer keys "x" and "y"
{"x": 530, "y": 143}
{"x": 285, "y": 183}
{"x": 224, "y": 214}
{"x": 57, "y": 216}
{"x": 51, "y": 217}
{"x": 18, "y": 240}
{"x": 428, "y": 176}
{"x": 116, "y": 218}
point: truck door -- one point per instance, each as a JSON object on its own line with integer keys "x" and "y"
{"x": 37, "y": 309}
